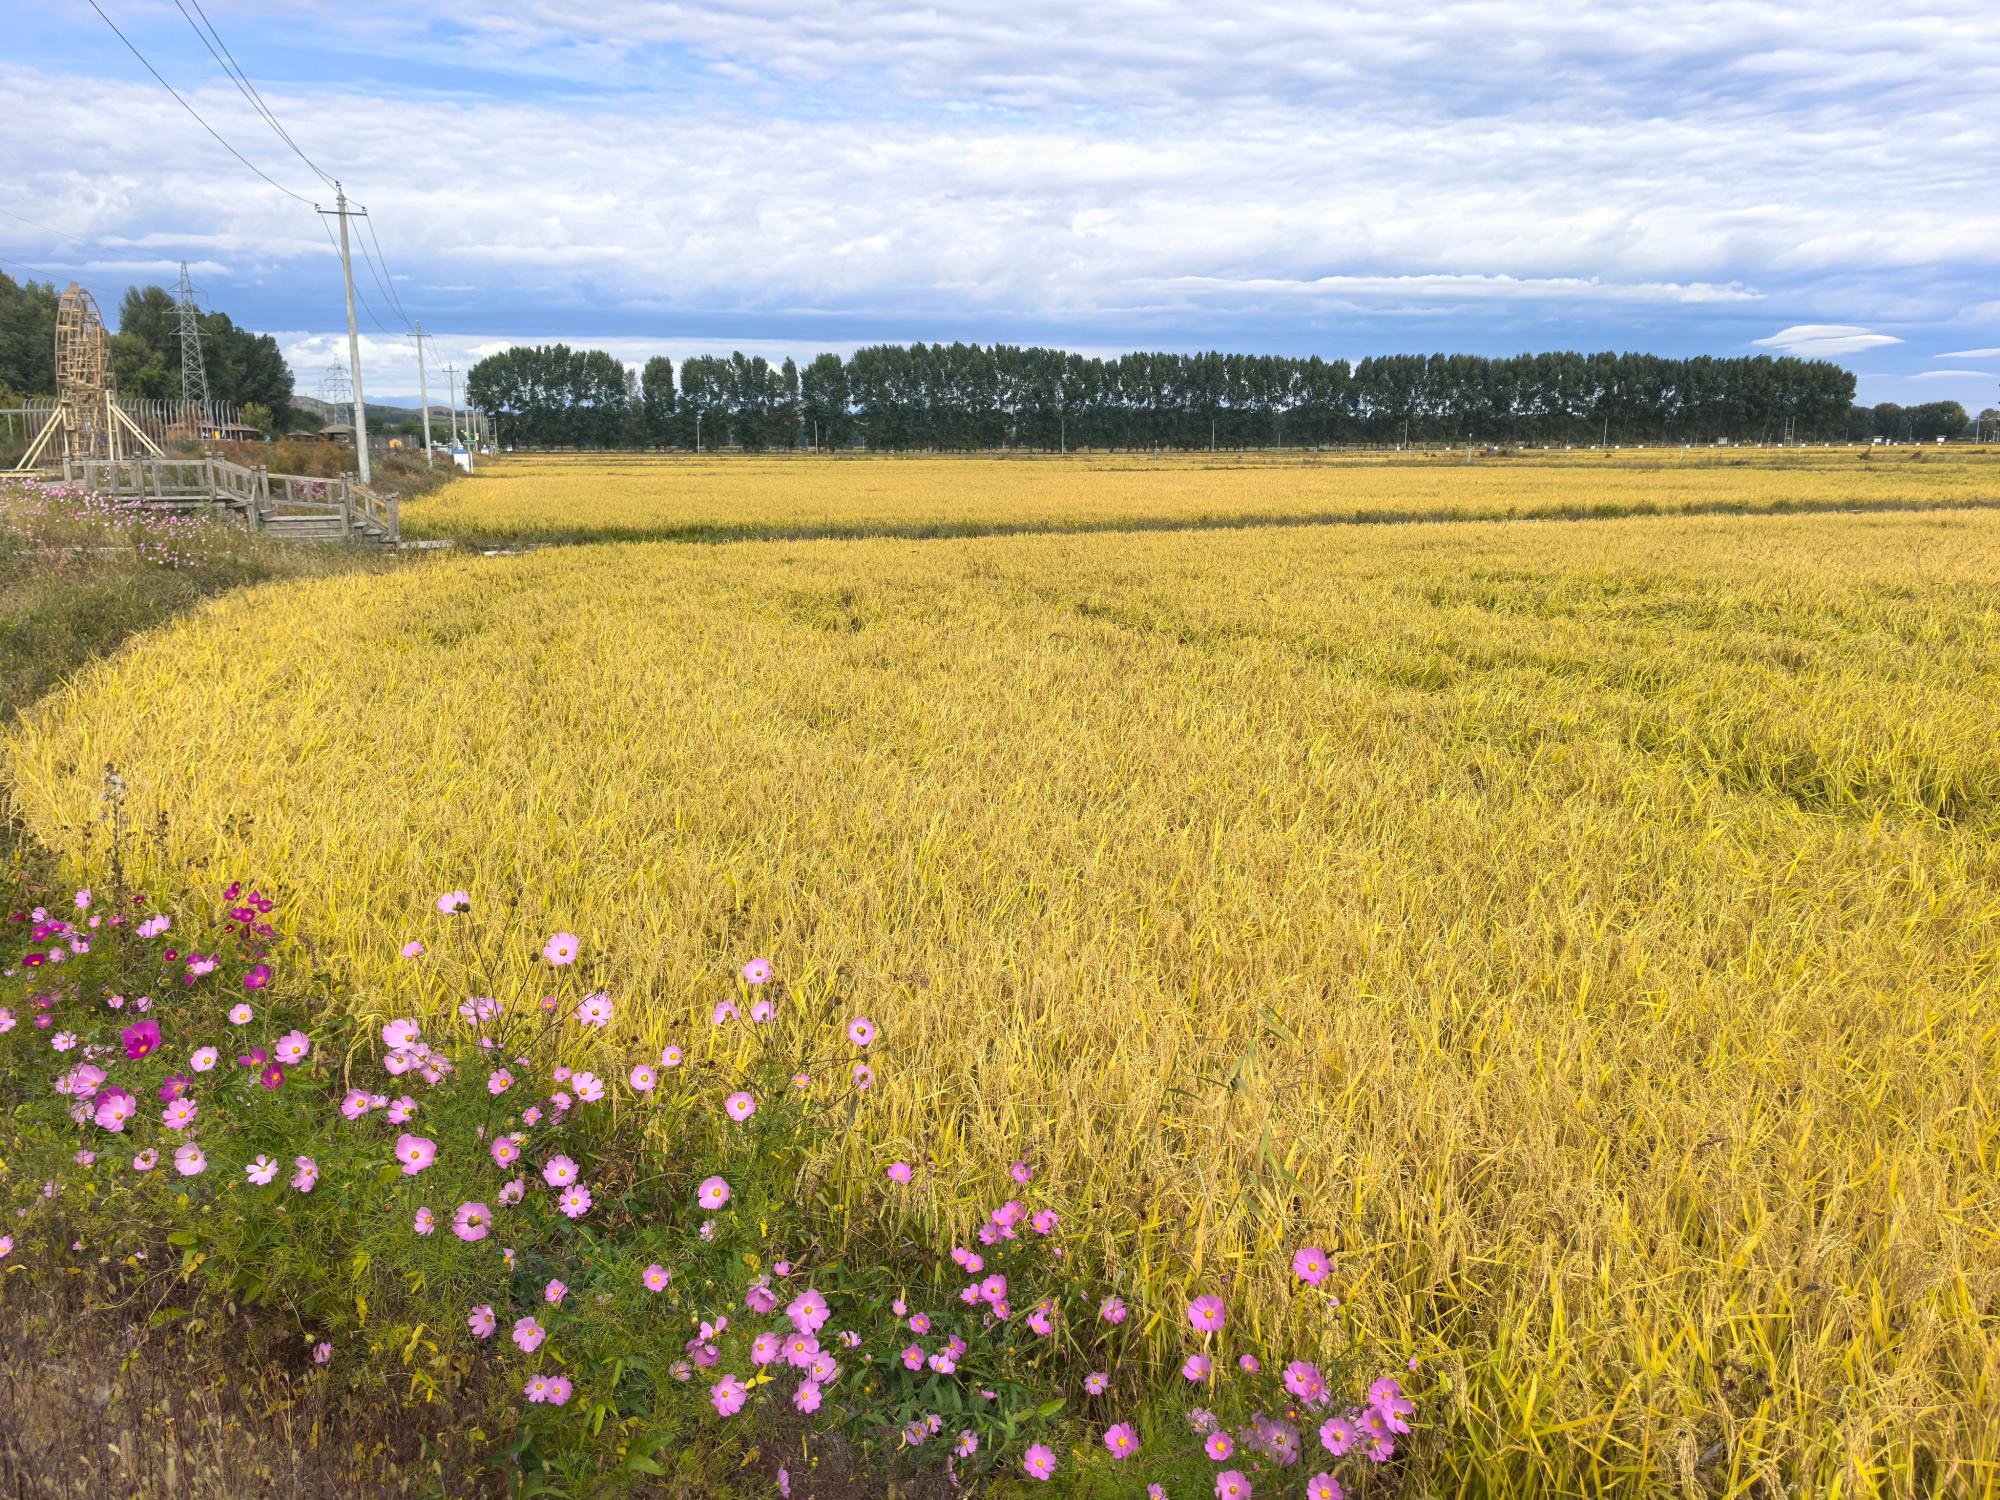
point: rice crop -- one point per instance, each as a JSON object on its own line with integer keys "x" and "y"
{"x": 1587, "y": 933}
{"x": 553, "y": 498}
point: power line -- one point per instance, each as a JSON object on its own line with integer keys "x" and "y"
{"x": 45, "y": 229}
{"x": 390, "y": 288}
{"x": 192, "y": 110}
{"x": 8, "y": 261}
{"x": 233, "y": 71}
{"x": 385, "y": 332}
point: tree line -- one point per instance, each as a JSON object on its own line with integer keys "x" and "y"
{"x": 971, "y": 396}
{"x": 244, "y": 368}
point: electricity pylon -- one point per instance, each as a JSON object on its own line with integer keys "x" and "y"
{"x": 194, "y": 376}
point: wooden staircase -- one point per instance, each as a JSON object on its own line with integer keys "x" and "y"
{"x": 291, "y": 507}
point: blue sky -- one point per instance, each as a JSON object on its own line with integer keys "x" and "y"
{"x": 1489, "y": 176}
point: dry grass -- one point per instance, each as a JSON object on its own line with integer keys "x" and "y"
{"x": 637, "y": 496}
{"x": 1587, "y": 932}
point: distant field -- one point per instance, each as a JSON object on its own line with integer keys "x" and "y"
{"x": 1588, "y": 932}
{"x": 536, "y": 497}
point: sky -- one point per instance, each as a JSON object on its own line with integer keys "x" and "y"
{"x": 1482, "y": 176}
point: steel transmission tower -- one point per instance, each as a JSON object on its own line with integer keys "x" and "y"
{"x": 194, "y": 376}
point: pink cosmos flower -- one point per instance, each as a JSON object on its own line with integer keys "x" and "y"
{"x": 1249, "y": 1363}
{"x": 6, "y": 1245}
{"x": 1045, "y": 1222}
{"x": 1230, "y": 1484}
{"x": 808, "y": 1311}
{"x": 1022, "y": 1173}
{"x": 113, "y": 1108}
{"x": 506, "y": 1150}
{"x": 401, "y": 1110}
{"x": 261, "y": 1171}
{"x": 560, "y": 949}
{"x": 1311, "y": 1265}
{"x": 574, "y": 1201}
{"x": 307, "y": 1175}
{"x": 1336, "y": 1435}
{"x": 559, "y": 1389}
{"x": 425, "y": 1221}
{"x": 560, "y": 1172}
{"x": 757, "y": 971}
{"x": 1206, "y": 1313}
{"x": 529, "y": 1334}
{"x": 453, "y": 902}
{"x": 412, "y": 949}
{"x": 1121, "y": 1440}
{"x": 594, "y": 1010}
{"x": 1198, "y": 1367}
{"x": 1324, "y": 1487}
{"x": 554, "y": 1292}
{"x": 482, "y": 1322}
{"x": 189, "y": 1161}
{"x": 643, "y": 1078}
{"x": 1388, "y": 1400}
{"x": 1303, "y": 1379}
{"x": 739, "y": 1106}
{"x": 824, "y": 1367}
{"x": 864, "y": 1075}
{"x": 322, "y": 1352}
{"x": 861, "y": 1031}
{"x": 292, "y": 1047}
{"x": 146, "y": 1160}
{"x": 670, "y": 1057}
{"x": 899, "y": 1171}
{"x": 763, "y": 1012}
{"x": 913, "y": 1357}
{"x": 415, "y": 1152}
{"x": 1219, "y": 1446}
{"x": 473, "y": 1221}
{"x": 1378, "y": 1449}
{"x": 240, "y": 1014}
{"x": 1039, "y": 1462}
{"x": 356, "y": 1103}
{"x": 537, "y": 1388}
{"x": 727, "y": 1395}
{"x": 655, "y": 1278}
{"x": 802, "y": 1080}
{"x": 713, "y": 1193}
{"x": 1113, "y": 1311}
{"x": 499, "y": 1081}
{"x": 765, "y": 1348}
{"x": 1041, "y": 1321}
{"x": 179, "y": 1115}
{"x": 401, "y": 1034}
{"x": 725, "y": 1010}
{"x": 806, "y": 1397}
{"x": 589, "y": 1087}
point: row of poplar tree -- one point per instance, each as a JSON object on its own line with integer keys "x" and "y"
{"x": 970, "y": 396}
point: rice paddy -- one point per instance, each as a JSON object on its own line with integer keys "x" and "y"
{"x": 1587, "y": 932}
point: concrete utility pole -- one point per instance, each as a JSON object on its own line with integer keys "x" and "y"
{"x": 423, "y": 391}
{"x": 341, "y": 211}
{"x": 451, "y": 374}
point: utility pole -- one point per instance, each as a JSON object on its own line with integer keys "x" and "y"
{"x": 341, "y": 211}
{"x": 423, "y": 391}
{"x": 451, "y": 374}
{"x": 194, "y": 375}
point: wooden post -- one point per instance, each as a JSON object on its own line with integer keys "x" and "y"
{"x": 346, "y": 509}
{"x": 395, "y": 519}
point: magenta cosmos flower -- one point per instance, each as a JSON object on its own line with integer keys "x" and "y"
{"x": 258, "y": 977}
{"x": 1336, "y": 1435}
{"x": 560, "y": 949}
{"x": 1219, "y": 1446}
{"x": 1231, "y": 1484}
{"x": 899, "y": 1171}
{"x": 1311, "y": 1265}
{"x": 141, "y": 1038}
{"x": 415, "y": 1152}
{"x": 1113, "y": 1310}
{"x": 1121, "y": 1440}
{"x": 713, "y": 1193}
{"x": 740, "y": 1106}
{"x": 473, "y": 1221}
{"x": 861, "y": 1031}
{"x": 1039, "y": 1462}
{"x": 1206, "y": 1313}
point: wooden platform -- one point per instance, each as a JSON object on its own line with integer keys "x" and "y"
{"x": 296, "y": 507}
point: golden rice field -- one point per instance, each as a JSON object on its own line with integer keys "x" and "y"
{"x": 1588, "y": 931}
{"x": 542, "y": 497}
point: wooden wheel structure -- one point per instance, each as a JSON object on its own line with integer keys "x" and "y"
{"x": 87, "y": 421}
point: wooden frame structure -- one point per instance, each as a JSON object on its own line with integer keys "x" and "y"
{"x": 87, "y": 418}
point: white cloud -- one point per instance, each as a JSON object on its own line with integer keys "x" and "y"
{"x": 1952, "y": 375}
{"x": 1968, "y": 354}
{"x": 1818, "y": 340}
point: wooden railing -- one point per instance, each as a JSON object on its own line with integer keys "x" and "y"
{"x": 255, "y": 493}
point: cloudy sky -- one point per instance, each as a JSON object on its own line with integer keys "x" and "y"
{"x": 1489, "y": 176}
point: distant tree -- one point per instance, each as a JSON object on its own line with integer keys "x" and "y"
{"x": 823, "y": 402}
{"x": 657, "y": 384}
{"x": 28, "y": 336}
